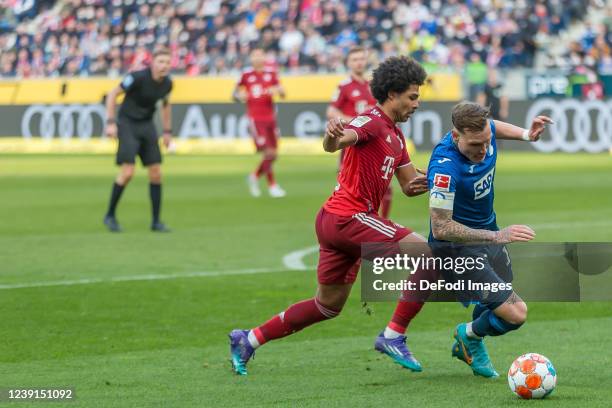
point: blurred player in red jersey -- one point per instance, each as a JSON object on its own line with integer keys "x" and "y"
{"x": 376, "y": 150}
{"x": 352, "y": 98}
{"x": 256, "y": 88}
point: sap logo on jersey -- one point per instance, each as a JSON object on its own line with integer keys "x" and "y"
{"x": 483, "y": 186}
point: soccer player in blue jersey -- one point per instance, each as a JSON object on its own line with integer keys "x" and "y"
{"x": 460, "y": 178}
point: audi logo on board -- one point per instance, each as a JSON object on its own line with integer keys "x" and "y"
{"x": 579, "y": 125}
{"x": 65, "y": 121}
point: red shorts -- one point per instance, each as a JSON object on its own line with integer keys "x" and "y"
{"x": 264, "y": 133}
{"x": 340, "y": 238}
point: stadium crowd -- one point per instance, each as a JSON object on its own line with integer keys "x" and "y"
{"x": 101, "y": 37}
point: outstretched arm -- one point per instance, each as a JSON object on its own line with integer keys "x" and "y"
{"x": 509, "y": 131}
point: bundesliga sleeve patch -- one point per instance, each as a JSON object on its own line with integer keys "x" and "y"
{"x": 442, "y": 181}
{"x": 359, "y": 121}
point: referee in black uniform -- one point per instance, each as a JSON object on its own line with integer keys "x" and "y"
{"x": 137, "y": 134}
{"x": 492, "y": 97}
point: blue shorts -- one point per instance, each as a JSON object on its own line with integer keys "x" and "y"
{"x": 489, "y": 282}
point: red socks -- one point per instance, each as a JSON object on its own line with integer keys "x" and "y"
{"x": 308, "y": 312}
{"x": 295, "y": 318}
{"x": 265, "y": 167}
{"x": 270, "y": 175}
{"x": 404, "y": 313}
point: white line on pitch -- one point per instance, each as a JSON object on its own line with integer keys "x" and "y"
{"x": 135, "y": 278}
{"x": 294, "y": 260}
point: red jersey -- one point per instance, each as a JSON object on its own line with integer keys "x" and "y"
{"x": 353, "y": 97}
{"x": 260, "y": 105}
{"x": 369, "y": 165}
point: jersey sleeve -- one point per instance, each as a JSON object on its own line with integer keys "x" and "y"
{"x": 130, "y": 81}
{"x": 242, "y": 81}
{"x": 365, "y": 128}
{"x": 338, "y": 98}
{"x": 275, "y": 81}
{"x": 441, "y": 179}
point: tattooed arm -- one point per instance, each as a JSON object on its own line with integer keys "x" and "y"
{"x": 444, "y": 228}
{"x": 514, "y": 298}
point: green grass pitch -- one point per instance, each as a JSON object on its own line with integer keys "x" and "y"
{"x": 129, "y": 338}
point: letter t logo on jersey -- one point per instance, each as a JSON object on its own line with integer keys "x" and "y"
{"x": 442, "y": 181}
{"x": 387, "y": 167}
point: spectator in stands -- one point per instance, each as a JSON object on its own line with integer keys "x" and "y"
{"x": 304, "y": 34}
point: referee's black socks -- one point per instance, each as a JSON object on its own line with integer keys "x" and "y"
{"x": 155, "y": 192}
{"x": 115, "y": 196}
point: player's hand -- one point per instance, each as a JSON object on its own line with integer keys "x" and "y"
{"x": 538, "y": 126}
{"x": 241, "y": 95}
{"x": 277, "y": 90}
{"x": 111, "y": 130}
{"x": 167, "y": 139}
{"x": 515, "y": 233}
{"x": 335, "y": 128}
{"x": 417, "y": 185}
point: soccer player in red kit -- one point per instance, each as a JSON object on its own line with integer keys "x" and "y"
{"x": 376, "y": 150}
{"x": 256, "y": 88}
{"x": 352, "y": 98}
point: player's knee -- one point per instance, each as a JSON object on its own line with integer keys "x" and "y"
{"x": 517, "y": 314}
{"x": 333, "y": 303}
{"x": 155, "y": 178}
{"x": 520, "y": 313}
{"x": 126, "y": 174}
{"x": 330, "y": 310}
{"x": 155, "y": 175}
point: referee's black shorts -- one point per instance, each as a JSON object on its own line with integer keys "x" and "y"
{"x": 137, "y": 138}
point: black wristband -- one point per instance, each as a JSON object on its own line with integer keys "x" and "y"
{"x": 110, "y": 121}
{"x": 167, "y": 130}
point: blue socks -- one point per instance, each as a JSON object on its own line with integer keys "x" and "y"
{"x": 488, "y": 324}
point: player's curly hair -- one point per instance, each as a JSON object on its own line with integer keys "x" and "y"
{"x": 396, "y": 74}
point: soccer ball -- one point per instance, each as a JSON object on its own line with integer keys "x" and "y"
{"x": 532, "y": 376}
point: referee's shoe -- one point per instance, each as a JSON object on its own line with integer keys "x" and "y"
{"x": 112, "y": 224}
{"x": 159, "y": 226}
